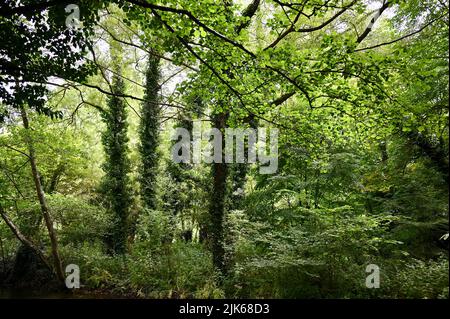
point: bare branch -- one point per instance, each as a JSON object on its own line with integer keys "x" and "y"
{"x": 282, "y": 98}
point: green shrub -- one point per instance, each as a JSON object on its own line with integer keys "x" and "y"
{"x": 417, "y": 279}
{"x": 77, "y": 221}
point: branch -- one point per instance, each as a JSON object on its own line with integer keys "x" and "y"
{"x": 303, "y": 90}
{"x": 188, "y": 47}
{"x": 329, "y": 20}
{"x": 191, "y": 16}
{"x": 11, "y": 179}
{"x": 249, "y": 12}
{"x": 401, "y": 38}
{"x": 282, "y": 98}
{"x": 312, "y": 29}
{"x": 151, "y": 52}
{"x": 372, "y": 22}
{"x": 14, "y": 149}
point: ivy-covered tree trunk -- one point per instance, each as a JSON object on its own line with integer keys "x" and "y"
{"x": 217, "y": 204}
{"x": 116, "y": 181}
{"x": 149, "y": 134}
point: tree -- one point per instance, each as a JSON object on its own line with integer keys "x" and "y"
{"x": 57, "y": 264}
{"x": 149, "y": 135}
{"x": 116, "y": 181}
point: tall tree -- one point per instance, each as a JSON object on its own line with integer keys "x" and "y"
{"x": 217, "y": 201}
{"x": 42, "y": 200}
{"x": 45, "y": 210}
{"x": 117, "y": 166}
{"x": 149, "y": 134}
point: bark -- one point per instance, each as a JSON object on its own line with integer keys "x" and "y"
{"x": 42, "y": 201}
{"x": 217, "y": 205}
{"x": 372, "y": 22}
{"x": 239, "y": 171}
{"x": 217, "y": 213}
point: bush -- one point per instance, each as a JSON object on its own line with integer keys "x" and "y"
{"x": 77, "y": 221}
{"x": 417, "y": 279}
{"x": 309, "y": 253}
{"x": 178, "y": 270}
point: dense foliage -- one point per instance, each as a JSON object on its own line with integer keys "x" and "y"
{"x": 358, "y": 91}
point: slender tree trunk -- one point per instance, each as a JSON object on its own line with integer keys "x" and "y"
{"x": 217, "y": 205}
{"x": 220, "y": 172}
{"x": 317, "y": 190}
{"x": 217, "y": 212}
{"x": 42, "y": 201}
{"x": 239, "y": 171}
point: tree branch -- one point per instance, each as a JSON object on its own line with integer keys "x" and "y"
{"x": 282, "y": 98}
{"x": 194, "y": 19}
{"x": 249, "y": 12}
{"x": 312, "y": 29}
{"x": 372, "y": 22}
{"x": 401, "y": 38}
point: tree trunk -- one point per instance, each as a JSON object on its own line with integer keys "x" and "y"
{"x": 217, "y": 214}
{"x": 149, "y": 135}
{"x": 42, "y": 201}
{"x": 217, "y": 205}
